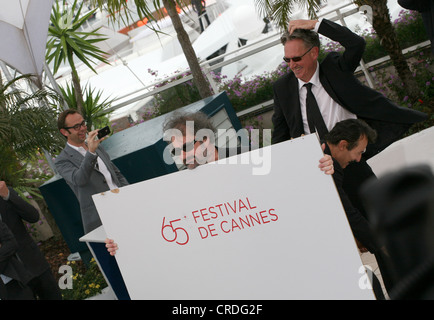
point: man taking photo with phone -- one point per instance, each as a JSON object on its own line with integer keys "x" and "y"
{"x": 85, "y": 165}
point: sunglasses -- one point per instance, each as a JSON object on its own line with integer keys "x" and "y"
{"x": 296, "y": 59}
{"x": 77, "y": 126}
{"x": 186, "y": 147}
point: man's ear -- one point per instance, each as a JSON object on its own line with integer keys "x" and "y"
{"x": 64, "y": 132}
{"x": 315, "y": 52}
{"x": 342, "y": 145}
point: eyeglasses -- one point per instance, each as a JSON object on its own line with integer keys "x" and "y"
{"x": 186, "y": 147}
{"x": 77, "y": 126}
{"x": 296, "y": 59}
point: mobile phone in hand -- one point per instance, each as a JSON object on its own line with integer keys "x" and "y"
{"x": 103, "y": 132}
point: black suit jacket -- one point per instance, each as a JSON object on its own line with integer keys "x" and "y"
{"x": 336, "y": 73}
{"x": 9, "y": 264}
{"x": 360, "y": 226}
{"x": 12, "y": 212}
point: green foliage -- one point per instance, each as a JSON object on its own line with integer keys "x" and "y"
{"x": 250, "y": 92}
{"x": 243, "y": 93}
{"x": 409, "y": 29}
{"x": 65, "y": 41}
{"x": 177, "y": 96}
{"x": 9, "y": 166}
{"x": 94, "y": 107}
{"x": 180, "y": 95}
{"x": 24, "y": 176}
{"x": 86, "y": 283}
{"x": 391, "y": 85}
{"x": 280, "y": 10}
{"x": 27, "y": 120}
{"x": 247, "y": 92}
{"x": 255, "y": 127}
{"x": 150, "y": 114}
{"x": 27, "y": 125}
{"x": 118, "y": 9}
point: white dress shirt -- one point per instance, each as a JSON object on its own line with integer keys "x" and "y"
{"x": 5, "y": 279}
{"x": 331, "y": 111}
{"x": 101, "y": 167}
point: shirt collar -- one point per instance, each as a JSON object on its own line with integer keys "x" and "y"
{"x": 314, "y": 80}
{"x": 79, "y": 149}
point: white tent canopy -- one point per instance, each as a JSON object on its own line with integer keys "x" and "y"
{"x": 23, "y": 30}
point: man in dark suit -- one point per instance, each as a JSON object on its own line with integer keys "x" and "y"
{"x": 13, "y": 275}
{"x": 85, "y": 166}
{"x": 346, "y": 143}
{"x": 199, "y": 7}
{"x": 337, "y": 93}
{"x": 13, "y": 210}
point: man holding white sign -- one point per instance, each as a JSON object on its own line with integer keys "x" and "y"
{"x": 346, "y": 142}
{"x": 253, "y": 237}
{"x": 192, "y": 137}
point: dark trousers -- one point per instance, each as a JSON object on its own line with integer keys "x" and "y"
{"x": 45, "y": 287}
{"x": 17, "y": 291}
{"x": 355, "y": 175}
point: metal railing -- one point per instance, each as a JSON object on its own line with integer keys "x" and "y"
{"x": 266, "y": 105}
{"x": 229, "y": 58}
{"x": 209, "y": 66}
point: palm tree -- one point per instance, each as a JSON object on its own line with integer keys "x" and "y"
{"x": 388, "y": 39}
{"x": 27, "y": 120}
{"x": 115, "y": 7}
{"x": 66, "y": 42}
{"x": 95, "y": 108}
{"x": 280, "y": 11}
{"x": 27, "y": 124}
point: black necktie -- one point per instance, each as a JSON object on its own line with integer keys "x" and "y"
{"x": 3, "y": 291}
{"x": 314, "y": 117}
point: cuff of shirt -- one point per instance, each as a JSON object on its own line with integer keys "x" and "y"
{"x": 317, "y": 25}
{"x": 7, "y": 197}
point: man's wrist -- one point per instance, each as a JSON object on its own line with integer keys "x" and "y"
{"x": 317, "y": 25}
{"x": 6, "y": 198}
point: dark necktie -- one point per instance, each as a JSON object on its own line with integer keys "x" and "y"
{"x": 314, "y": 117}
{"x": 3, "y": 291}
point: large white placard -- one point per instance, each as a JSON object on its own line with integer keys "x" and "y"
{"x": 221, "y": 232}
{"x": 413, "y": 150}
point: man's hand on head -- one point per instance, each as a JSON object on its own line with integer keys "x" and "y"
{"x": 301, "y": 24}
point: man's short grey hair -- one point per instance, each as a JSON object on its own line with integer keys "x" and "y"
{"x": 309, "y": 37}
{"x": 178, "y": 120}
